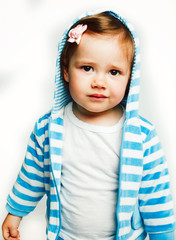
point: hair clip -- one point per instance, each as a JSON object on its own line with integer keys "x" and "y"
{"x": 76, "y": 33}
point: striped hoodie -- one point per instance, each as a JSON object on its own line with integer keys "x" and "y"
{"x": 144, "y": 201}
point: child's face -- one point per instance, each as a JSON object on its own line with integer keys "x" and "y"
{"x": 98, "y": 73}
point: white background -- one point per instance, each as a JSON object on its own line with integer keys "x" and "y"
{"x": 29, "y": 32}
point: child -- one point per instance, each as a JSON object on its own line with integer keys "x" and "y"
{"x": 99, "y": 163}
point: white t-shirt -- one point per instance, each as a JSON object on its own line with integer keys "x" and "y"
{"x": 89, "y": 181}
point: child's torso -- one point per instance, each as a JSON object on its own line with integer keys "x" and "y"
{"x": 89, "y": 182}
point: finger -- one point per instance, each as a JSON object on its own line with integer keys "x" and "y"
{"x": 13, "y": 232}
{"x": 7, "y": 236}
{"x": 12, "y": 238}
{"x": 18, "y": 234}
{"x": 6, "y": 233}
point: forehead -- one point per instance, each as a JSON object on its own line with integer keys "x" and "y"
{"x": 96, "y": 46}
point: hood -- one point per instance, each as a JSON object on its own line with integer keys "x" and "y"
{"x": 61, "y": 94}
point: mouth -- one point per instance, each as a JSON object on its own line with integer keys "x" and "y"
{"x": 97, "y": 97}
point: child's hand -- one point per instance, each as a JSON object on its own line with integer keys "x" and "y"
{"x": 10, "y": 227}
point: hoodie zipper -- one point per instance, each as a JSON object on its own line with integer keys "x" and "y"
{"x": 59, "y": 227}
{"x": 120, "y": 173}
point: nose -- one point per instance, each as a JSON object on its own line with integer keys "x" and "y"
{"x": 99, "y": 81}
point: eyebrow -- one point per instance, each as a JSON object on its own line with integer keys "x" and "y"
{"x": 84, "y": 61}
{"x": 92, "y": 62}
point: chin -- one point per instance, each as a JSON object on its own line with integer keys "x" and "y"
{"x": 95, "y": 110}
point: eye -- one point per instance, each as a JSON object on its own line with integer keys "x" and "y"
{"x": 114, "y": 72}
{"x": 87, "y": 68}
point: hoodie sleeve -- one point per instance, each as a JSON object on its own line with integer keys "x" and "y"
{"x": 155, "y": 200}
{"x": 29, "y": 186}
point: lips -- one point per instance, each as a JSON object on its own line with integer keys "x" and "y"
{"x": 97, "y": 96}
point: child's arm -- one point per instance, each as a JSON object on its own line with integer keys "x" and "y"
{"x": 29, "y": 187}
{"x": 10, "y": 227}
{"x": 155, "y": 200}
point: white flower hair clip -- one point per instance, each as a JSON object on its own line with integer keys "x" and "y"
{"x": 76, "y": 33}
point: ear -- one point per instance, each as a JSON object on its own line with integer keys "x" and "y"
{"x": 66, "y": 75}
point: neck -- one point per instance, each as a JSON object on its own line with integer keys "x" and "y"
{"x": 106, "y": 118}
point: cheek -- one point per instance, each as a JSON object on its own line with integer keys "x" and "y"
{"x": 118, "y": 92}
{"x": 75, "y": 88}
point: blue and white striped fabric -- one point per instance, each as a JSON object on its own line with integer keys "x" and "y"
{"x": 144, "y": 203}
